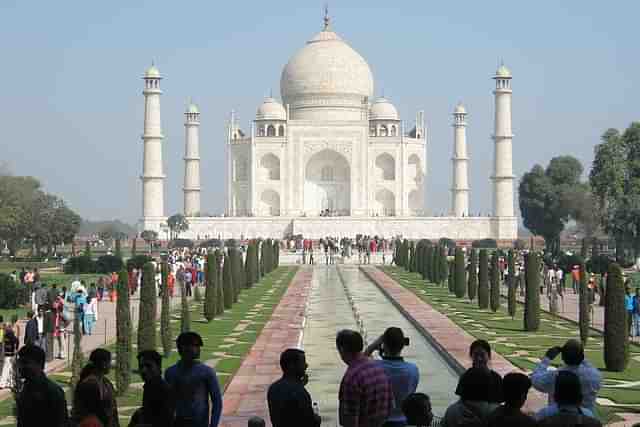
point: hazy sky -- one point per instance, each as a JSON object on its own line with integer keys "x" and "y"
{"x": 71, "y": 106}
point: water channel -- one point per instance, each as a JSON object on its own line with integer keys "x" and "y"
{"x": 346, "y": 298}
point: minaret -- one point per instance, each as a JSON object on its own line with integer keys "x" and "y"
{"x": 152, "y": 175}
{"x": 460, "y": 181}
{"x": 502, "y": 136}
{"x": 192, "y": 161}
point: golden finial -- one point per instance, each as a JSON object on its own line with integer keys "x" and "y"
{"x": 326, "y": 17}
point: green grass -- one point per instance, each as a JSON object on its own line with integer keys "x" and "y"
{"x": 507, "y": 337}
{"x": 216, "y": 336}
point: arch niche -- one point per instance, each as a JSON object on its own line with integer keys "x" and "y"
{"x": 386, "y": 203}
{"x": 327, "y": 184}
{"x": 415, "y": 202}
{"x": 270, "y": 167}
{"x": 415, "y": 169}
{"x": 270, "y": 203}
{"x": 385, "y": 167}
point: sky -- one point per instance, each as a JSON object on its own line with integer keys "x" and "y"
{"x": 71, "y": 104}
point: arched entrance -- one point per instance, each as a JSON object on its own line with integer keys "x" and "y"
{"x": 386, "y": 203}
{"x": 270, "y": 203}
{"x": 327, "y": 185}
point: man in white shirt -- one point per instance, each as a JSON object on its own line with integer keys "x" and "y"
{"x": 543, "y": 379}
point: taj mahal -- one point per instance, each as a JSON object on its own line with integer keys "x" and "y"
{"x": 328, "y": 158}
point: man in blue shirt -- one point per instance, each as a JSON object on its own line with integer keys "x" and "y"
{"x": 404, "y": 376}
{"x": 194, "y": 383}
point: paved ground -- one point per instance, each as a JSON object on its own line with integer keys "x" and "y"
{"x": 245, "y": 396}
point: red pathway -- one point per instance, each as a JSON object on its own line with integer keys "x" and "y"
{"x": 451, "y": 339}
{"x": 246, "y": 394}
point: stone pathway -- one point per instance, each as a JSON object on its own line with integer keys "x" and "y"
{"x": 245, "y": 396}
{"x": 452, "y": 341}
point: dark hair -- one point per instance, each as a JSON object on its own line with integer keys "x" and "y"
{"x": 350, "y": 341}
{"x": 567, "y": 389}
{"x": 100, "y": 356}
{"x": 515, "y": 387}
{"x": 30, "y": 314}
{"x": 473, "y": 384}
{"x": 289, "y": 357}
{"x": 32, "y": 353}
{"x": 255, "y": 422}
{"x": 393, "y": 339}
{"x": 187, "y": 338}
{"x": 572, "y": 352}
{"x": 413, "y": 408}
{"x": 88, "y": 370}
{"x": 152, "y": 355}
{"x": 484, "y": 345}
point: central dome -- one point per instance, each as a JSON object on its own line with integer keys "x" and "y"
{"x": 326, "y": 79}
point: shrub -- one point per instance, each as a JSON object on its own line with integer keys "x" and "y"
{"x": 165, "y": 313}
{"x": 428, "y": 254}
{"x": 236, "y": 270}
{"x": 181, "y": 243}
{"x": 276, "y": 253}
{"x": 227, "y": 281}
{"x": 219, "y": 307}
{"x": 148, "y": 308}
{"x": 185, "y": 314}
{"x": 210, "y": 293}
{"x": 583, "y": 305}
{"x": 11, "y": 292}
{"x": 123, "y": 335}
{"x": 138, "y": 261}
{"x": 511, "y": 291}
{"x": 81, "y": 264}
{"x": 460, "y": 282}
{"x": 483, "y": 280}
{"x": 532, "y": 292}
{"x": 412, "y": 257}
{"x": 451, "y": 281}
{"x": 435, "y": 264}
{"x": 495, "y": 283}
{"x": 473, "y": 275}
{"x": 616, "y": 328}
{"x": 107, "y": 264}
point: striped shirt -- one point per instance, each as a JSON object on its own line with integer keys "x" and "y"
{"x": 366, "y": 397}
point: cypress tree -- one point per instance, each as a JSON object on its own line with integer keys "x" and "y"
{"x": 460, "y": 282}
{"x": 433, "y": 265}
{"x": 148, "y": 309}
{"x": 483, "y": 280}
{"x": 451, "y": 280}
{"x": 251, "y": 265}
{"x": 436, "y": 264}
{"x": 227, "y": 281}
{"x": 87, "y": 249}
{"x": 276, "y": 254}
{"x": 427, "y": 263}
{"x": 444, "y": 266}
{"x": 616, "y": 328}
{"x": 495, "y": 282}
{"x": 412, "y": 257}
{"x": 185, "y": 314}
{"x": 77, "y": 363}
{"x": 405, "y": 254}
{"x": 118, "y": 251}
{"x": 258, "y": 262}
{"x": 210, "y": 292}
{"x": 532, "y": 292}
{"x": 165, "y": 313}
{"x": 219, "y": 284}
{"x": 236, "y": 270}
{"x": 473, "y": 275}
{"x": 511, "y": 295}
{"x": 583, "y": 304}
{"x": 123, "y": 335}
{"x": 133, "y": 247}
{"x": 419, "y": 260}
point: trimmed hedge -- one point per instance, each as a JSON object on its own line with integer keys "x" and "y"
{"x": 123, "y": 335}
{"x": 495, "y": 283}
{"x": 532, "y": 292}
{"x": 583, "y": 305}
{"x": 148, "y": 307}
{"x": 511, "y": 291}
{"x": 616, "y": 327}
{"x": 483, "y": 280}
{"x": 472, "y": 285}
{"x": 459, "y": 279}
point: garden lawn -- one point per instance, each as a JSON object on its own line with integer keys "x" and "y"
{"x": 227, "y": 339}
{"x": 525, "y": 349}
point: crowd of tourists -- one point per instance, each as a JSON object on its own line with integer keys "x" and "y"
{"x": 331, "y": 249}
{"x": 381, "y": 391}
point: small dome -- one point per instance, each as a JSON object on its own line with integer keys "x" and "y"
{"x": 382, "y": 109}
{"x": 193, "y": 108}
{"x": 271, "y": 110}
{"x": 503, "y": 71}
{"x": 460, "y": 109}
{"x": 152, "y": 72}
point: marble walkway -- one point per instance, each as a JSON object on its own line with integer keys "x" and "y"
{"x": 245, "y": 395}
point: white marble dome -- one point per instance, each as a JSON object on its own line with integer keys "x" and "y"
{"x": 152, "y": 73}
{"x": 271, "y": 110}
{"x": 326, "y": 76}
{"x": 382, "y": 109}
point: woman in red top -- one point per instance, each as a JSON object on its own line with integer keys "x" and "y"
{"x": 171, "y": 281}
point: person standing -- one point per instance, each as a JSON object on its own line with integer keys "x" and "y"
{"x": 289, "y": 402}
{"x": 628, "y": 304}
{"x": 404, "y": 376}
{"x": 567, "y": 409}
{"x": 480, "y": 354}
{"x": 157, "y": 403}
{"x": 101, "y": 360}
{"x": 90, "y": 313}
{"x": 516, "y": 387}
{"x": 10, "y": 345}
{"x": 543, "y": 378}
{"x": 473, "y": 408}
{"x": 31, "y": 330}
{"x": 194, "y": 384}
{"x": 636, "y": 313}
{"x": 38, "y": 393}
{"x": 575, "y": 278}
{"x": 366, "y": 395}
{"x": 81, "y": 301}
